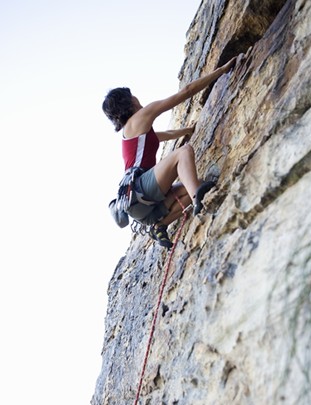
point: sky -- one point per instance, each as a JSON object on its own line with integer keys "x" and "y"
{"x": 60, "y": 163}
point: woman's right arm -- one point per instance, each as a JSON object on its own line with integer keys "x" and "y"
{"x": 143, "y": 119}
{"x": 154, "y": 109}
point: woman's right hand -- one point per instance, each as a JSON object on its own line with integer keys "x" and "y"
{"x": 225, "y": 68}
{"x": 236, "y": 59}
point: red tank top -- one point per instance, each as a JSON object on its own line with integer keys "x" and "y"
{"x": 140, "y": 151}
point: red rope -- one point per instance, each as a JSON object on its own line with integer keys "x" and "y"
{"x": 159, "y": 302}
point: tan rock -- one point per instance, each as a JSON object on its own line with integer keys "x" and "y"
{"x": 234, "y": 325}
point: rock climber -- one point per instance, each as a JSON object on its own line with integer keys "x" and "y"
{"x": 156, "y": 189}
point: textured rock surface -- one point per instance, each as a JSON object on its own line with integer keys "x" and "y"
{"x": 235, "y": 322}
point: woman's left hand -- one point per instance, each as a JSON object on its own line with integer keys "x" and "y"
{"x": 189, "y": 133}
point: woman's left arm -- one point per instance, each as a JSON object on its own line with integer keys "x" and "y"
{"x": 175, "y": 133}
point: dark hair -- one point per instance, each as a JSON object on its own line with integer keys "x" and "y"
{"x": 118, "y": 106}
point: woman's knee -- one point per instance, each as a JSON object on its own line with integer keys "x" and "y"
{"x": 187, "y": 150}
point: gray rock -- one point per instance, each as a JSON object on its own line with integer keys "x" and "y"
{"x": 234, "y": 325}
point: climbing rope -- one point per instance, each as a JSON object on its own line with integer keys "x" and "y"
{"x": 159, "y": 300}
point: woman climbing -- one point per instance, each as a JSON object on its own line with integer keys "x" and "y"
{"x": 154, "y": 201}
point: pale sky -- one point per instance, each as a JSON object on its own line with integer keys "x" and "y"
{"x": 60, "y": 163}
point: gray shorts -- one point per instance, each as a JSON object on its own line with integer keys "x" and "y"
{"x": 148, "y": 214}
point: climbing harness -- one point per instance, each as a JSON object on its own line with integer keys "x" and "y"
{"x": 119, "y": 206}
{"x": 126, "y": 187}
{"x": 159, "y": 300}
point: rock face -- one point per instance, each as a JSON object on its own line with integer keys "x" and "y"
{"x": 234, "y": 325}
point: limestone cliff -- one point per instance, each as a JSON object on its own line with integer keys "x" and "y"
{"x": 235, "y": 321}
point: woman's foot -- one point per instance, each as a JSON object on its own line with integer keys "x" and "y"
{"x": 201, "y": 191}
{"x": 159, "y": 233}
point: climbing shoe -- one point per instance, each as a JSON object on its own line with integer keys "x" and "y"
{"x": 201, "y": 191}
{"x": 159, "y": 234}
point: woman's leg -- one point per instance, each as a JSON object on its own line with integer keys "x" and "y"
{"x": 176, "y": 209}
{"x": 159, "y": 230}
{"x": 179, "y": 163}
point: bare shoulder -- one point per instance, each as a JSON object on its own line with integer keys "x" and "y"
{"x": 137, "y": 125}
{"x": 143, "y": 119}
